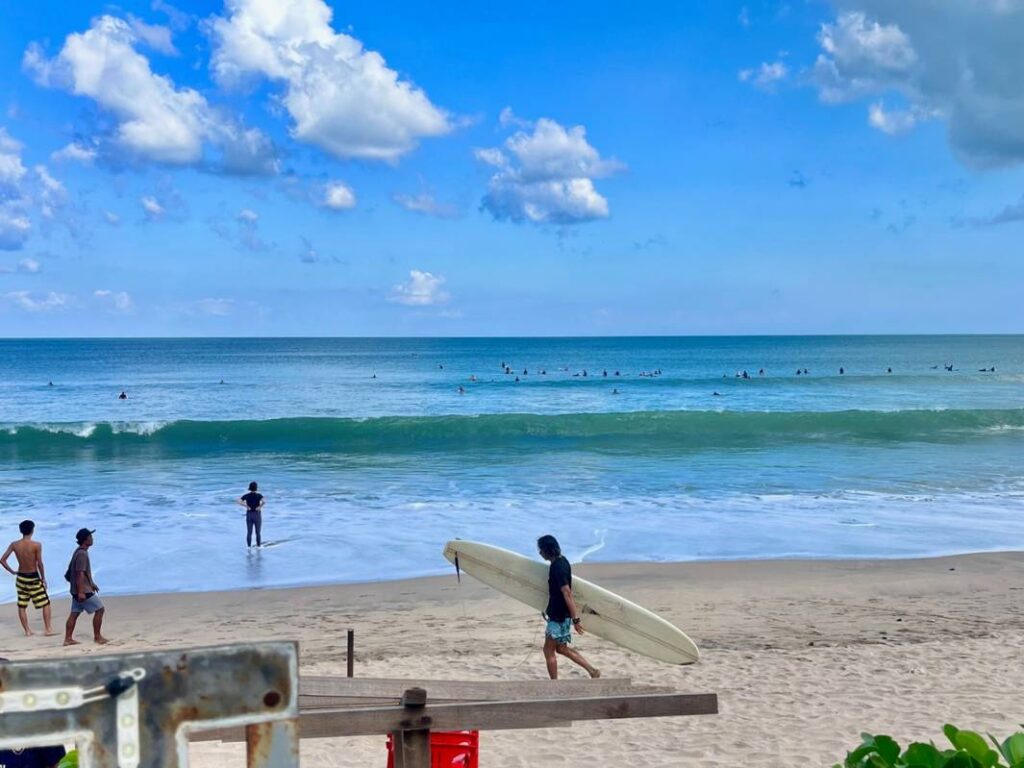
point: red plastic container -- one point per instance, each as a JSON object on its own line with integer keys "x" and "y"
{"x": 448, "y": 749}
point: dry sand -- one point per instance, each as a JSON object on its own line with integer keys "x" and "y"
{"x": 804, "y": 655}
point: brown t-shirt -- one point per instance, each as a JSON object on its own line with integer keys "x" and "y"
{"x": 79, "y": 563}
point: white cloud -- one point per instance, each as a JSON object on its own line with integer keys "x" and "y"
{"x": 111, "y": 218}
{"x": 75, "y": 152}
{"x": 211, "y": 307}
{"x": 31, "y": 266}
{"x": 117, "y": 301}
{"x": 156, "y": 121}
{"x": 956, "y": 60}
{"x": 12, "y": 170}
{"x": 249, "y": 215}
{"x": 157, "y": 37}
{"x": 8, "y": 143}
{"x": 428, "y": 205}
{"x": 52, "y": 194}
{"x": 14, "y": 228}
{"x": 860, "y": 56}
{"x": 338, "y": 196}
{"x": 765, "y": 77}
{"x": 152, "y": 207}
{"x": 23, "y": 194}
{"x": 894, "y": 121}
{"x": 547, "y": 176}
{"x": 38, "y": 302}
{"x": 340, "y": 96}
{"x": 422, "y": 289}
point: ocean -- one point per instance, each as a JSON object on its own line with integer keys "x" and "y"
{"x": 370, "y": 457}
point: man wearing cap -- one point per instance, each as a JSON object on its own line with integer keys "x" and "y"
{"x": 84, "y": 595}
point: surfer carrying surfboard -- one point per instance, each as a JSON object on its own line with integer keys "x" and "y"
{"x": 561, "y": 613}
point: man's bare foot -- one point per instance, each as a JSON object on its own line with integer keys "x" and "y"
{"x": 101, "y": 640}
{"x": 71, "y": 641}
{"x": 595, "y": 673}
{"x": 51, "y": 633}
{"x": 29, "y": 633}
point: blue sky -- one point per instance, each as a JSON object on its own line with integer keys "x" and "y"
{"x": 296, "y": 167}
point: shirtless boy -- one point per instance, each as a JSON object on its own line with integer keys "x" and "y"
{"x": 30, "y": 578}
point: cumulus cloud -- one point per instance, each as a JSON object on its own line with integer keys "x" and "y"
{"x": 14, "y": 228}
{"x": 767, "y": 76}
{"x": 338, "y": 196}
{"x": 155, "y": 36}
{"x": 23, "y": 194}
{"x": 956, "y": 61}
{"x": 116, "y": 301}
{"x": 428, "y": 205}
{"x": 12, "y": 169}
{"x": 38, "y": 302}
{"x": 31, "y": 266}
{"x": 422, "y": 289}
{"x": 75, "y": 152}
{"x": 341, "y": 97}
{"x": 156, "y": 120}
{"x": 111, "y": 218}
{"x": 248, "y": 230}
{"x": 152, "y": 207}
{"x": 545, "y": 176}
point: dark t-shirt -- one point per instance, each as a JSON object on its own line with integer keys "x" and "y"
{"x": 252, "y": 500}
{"x": 80, "y": 562}
{"x": 559, "y": 575}
{"x": 34, "y": 757}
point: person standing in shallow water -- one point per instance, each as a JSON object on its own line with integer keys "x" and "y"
{"x": 253, "y": 503}
{"x": 561, "y": 614}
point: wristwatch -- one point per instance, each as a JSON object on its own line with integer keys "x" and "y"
{"x": 577, "y": 620}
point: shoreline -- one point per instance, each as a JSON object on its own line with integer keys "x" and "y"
{"x": 804, "y": 654}
{"x": 578, "y": 567}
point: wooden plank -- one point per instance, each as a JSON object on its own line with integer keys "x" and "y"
{"x": 467, "y": 690}
{"x": 412, "y": 749}
{"x": 488, "y": 716}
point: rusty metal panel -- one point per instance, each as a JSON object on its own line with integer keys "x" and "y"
{"x": 93, "y": 701}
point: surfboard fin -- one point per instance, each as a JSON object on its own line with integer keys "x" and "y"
{"x": 458, "y": 571}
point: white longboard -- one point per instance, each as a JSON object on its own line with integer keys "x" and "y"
{"x": 604, "y": 613}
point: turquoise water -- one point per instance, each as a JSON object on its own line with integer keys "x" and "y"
{"x": 370, "y": 457}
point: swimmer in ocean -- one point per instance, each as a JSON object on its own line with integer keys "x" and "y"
{"x": 122, "y": 396}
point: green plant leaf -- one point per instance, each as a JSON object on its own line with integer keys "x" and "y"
{"x": 950, "y": 731}
{"x": 974, "y": 745}
{"x": 1013, "y": 749}
{"x": 919, "y": 755}
{"x": 961, "y": 760}
{"x": 70, "y": 760}
{"x": 887, "y": 748}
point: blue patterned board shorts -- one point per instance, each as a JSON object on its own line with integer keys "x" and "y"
{"x": 559, "y": 631}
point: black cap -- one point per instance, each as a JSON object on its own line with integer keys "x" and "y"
{"x": 83, "y": 534}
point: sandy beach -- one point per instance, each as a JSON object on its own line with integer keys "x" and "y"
{"x": 804, "y": 655}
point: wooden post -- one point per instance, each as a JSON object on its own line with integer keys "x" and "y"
{"x": 351, "y": 655}
{"x": 412, "y": 743}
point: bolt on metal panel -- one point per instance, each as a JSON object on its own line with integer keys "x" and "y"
{"x": 130, "y": 710}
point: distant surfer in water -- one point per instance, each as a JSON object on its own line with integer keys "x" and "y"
{"x": 253, "y": 503}
{"x": 122, "y": 396}
{"x": 561, "y": 614}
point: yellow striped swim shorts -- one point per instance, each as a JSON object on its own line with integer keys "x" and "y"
{"x": 30, "y": 587}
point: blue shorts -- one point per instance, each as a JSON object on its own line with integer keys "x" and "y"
{"x": 91, "y": 604}
{"x": 559, "y": 631}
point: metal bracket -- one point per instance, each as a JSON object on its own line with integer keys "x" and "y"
{"x": 158, "y": 699}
